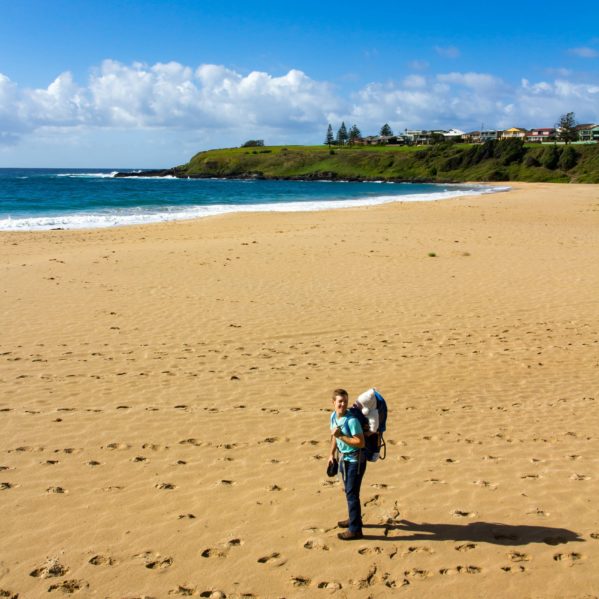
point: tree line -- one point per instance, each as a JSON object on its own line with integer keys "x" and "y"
{"x": 345, "y": 137}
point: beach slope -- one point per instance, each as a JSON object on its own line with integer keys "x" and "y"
{"x": 166, "y": 389}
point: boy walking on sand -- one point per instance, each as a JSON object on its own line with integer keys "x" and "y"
{"x": 347, "y": 438}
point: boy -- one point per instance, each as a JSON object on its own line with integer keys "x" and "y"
{"x": 347, "y": 438}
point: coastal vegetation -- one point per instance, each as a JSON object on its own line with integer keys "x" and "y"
{"x": 503, "y": 160}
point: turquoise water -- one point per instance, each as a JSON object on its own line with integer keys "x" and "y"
{"x": 37, "y": 199}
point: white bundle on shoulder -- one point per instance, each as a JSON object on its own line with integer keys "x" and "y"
{"x": 368, "y": 402}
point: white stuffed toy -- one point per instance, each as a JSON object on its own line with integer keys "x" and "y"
{"x": 367, "y": 403}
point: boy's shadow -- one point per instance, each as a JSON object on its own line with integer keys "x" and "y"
{"x": 483, "y": 532}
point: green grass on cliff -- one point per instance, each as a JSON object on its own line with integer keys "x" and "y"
{"x": 508, "y": 160}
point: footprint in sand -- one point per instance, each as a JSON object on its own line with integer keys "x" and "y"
{"x": 516, "y": 556}
{"x": 594, "y": 535}
{"x": 118, "y": 446}
{"x": 51, "y": 569}
{"x": 186, "y": 516}
{"x": 417, "y": 573}
{"x": 463, "y": 514}
{"x": 570, "y": 559}
{"x": 213, "y": 552}
{"x": 68, "y": 586}
{"x": 165, "y": 486}
{"x": 316, "y": 544}
{"x": 159, "y": 563}
{"x": 185, "y": 591}
{"x": 93, "y": 463}
{"x": 6, "y": 486}
{"x": 274, "y": 559}
{"x": 139, "y": 458}
{"x": 58, "y": 490}
{"x": 414, "y": 549}
{"x": 331, "y": 586}
{"x": 466, "y": 547}
{"x": 101, "y": 560}
{"x": 580, "y": 477}
{"x": 513, "y": 569}
{"x": 192, "y": 441}
{"x": 372, "y": 501}
{"x": 5, "y": 594}
{"x": 300, "y": 581}
{"x": 369, "y": 550}
{"x": 460, "y": 570}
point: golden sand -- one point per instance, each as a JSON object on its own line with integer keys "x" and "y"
{"x": 165, "y": 394}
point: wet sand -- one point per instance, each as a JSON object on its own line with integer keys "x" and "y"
{"x": 165, "y": 393}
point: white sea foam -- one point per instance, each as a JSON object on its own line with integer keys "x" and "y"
{"x": 88, "y": 175}
{"x": 170, "y": 213}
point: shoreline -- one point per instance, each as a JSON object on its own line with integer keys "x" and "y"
{"x": 84, "y": 220}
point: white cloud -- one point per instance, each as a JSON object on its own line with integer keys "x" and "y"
{"x": 414, "y": 81}
{"x": 584, "y": 52}
{"x": 447, "y": 51}
{"x": 215, "y": 105}
{"x": 475, "y": 81}
{"x": 465, "y": 100}
{"x": 168, "y": 95}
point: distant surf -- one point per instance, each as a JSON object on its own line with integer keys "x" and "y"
{"x": 43, "y": 199}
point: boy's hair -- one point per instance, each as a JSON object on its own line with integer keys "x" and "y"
{"x": 341, "y": 392}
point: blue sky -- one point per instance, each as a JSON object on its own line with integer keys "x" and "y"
{"x": 149, "y": 83}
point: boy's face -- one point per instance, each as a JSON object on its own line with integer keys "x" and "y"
{"x": 340, "y": 404}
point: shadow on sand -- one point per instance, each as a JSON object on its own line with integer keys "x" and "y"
{"x": 482, "y": 532}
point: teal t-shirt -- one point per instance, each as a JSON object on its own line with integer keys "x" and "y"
{"x": 350, "y": 426}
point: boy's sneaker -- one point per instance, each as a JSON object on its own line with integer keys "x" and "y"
{"x": 343, "y": 523}
{"x": 348, "y": 535}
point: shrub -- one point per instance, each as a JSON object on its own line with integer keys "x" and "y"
{"x": 509, "y": 150}
{"x": 498, "y": 174}
{"x": 550, "y": 157}
{"x": 452, "y": 163}
{"x": 531, "y": 161}
{"x": 253, "y": 143}
{"x": 568, "y": 159}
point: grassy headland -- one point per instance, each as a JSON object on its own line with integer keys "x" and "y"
{"x": 508, "y": 160}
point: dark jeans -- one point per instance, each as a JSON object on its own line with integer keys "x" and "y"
{"x": 352, "y": 473}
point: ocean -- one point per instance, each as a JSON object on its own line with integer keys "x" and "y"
{"x": 42, "y": 199}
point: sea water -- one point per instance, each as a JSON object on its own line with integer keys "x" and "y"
{"x": 38, "y": 199}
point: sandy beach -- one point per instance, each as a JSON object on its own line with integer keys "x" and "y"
{"x": 165, "y": 393}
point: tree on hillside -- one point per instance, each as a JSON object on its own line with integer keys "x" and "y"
{"x": 354, "y": 134}
{"x": 342, "y": 136}
{"x": 330, "y": 140}
{"x": 386, "y": 130}
{"x": 253, "y": 143}
{"x": 566, "y": 128}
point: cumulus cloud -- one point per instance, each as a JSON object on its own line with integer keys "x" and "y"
{"x": 465, "y": 100}
{"x": 167, "y": 95}
{"x": 584, "y": 52}
{"x": 223, "y": 105}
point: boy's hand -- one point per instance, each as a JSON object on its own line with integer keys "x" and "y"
{"x": 337, "y": 432}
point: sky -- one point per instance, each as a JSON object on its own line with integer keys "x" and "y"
{"x": 135, "y": 84}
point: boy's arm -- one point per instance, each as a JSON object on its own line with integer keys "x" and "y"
{"x": 356, "y": 439}
{"x": 333, "y": 449}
